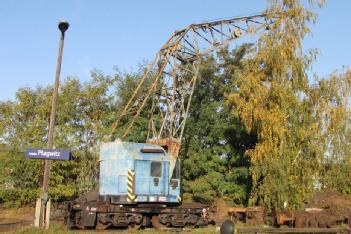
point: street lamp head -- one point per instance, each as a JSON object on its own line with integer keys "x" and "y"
{"x": 63, "y": 26}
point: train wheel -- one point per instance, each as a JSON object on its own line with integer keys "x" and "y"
{"x": 313, "y": 222}
{"x": 323, "y": 221}
{"x": 156, "y": 223}
{"x": 133, "y": 226}
{"x": 78, "y": 220}
{"x": 302, "y": 220}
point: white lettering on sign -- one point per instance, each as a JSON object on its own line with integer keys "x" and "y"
{"x": 57, "y": 154}
{"x": 48, "y": 154}
{"x": 45, "y": 153}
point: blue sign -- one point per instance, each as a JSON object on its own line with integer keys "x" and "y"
{"x": 53, "y": 154}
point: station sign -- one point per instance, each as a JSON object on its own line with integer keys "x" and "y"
{"x": 51, "y": 154}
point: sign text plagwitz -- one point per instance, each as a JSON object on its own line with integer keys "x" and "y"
{"x": 53, "y": 154}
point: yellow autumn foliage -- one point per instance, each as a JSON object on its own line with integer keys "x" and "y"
{"x": 299, "y": 124}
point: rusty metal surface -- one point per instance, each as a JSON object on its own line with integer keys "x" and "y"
{"x": 250, "y": 215}
{"x": 151, "y": 150}
{"x": 169, "y": 80}
{"x": 105, "y": 207}
{"x": 283, "y": 217}
{"x": 172, "y": 146}
{"x": 82, "y": 214}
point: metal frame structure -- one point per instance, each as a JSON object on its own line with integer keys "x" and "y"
{"x": 169, "y": 81}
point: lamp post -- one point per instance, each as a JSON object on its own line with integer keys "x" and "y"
{"x": 63, "y": 26}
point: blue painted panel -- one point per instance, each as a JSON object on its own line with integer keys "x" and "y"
{"x": 110, "y": 170}
{"x": 173, "y": 198}
{"x": 116, "y": 158}
{"x": 108, "y": 179}
{"x": 142, "y": 177}
{"x": 174, "y": 192}
{"x": 142, "y": 198}
{"x": 122, "y": 149}
{"x": 114, "y": 162}
{"x": 166, "y": 177}
{"x": 122, "y": 184}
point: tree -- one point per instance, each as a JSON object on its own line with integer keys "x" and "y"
{"x": 214, "y": 163}
{"x": 82, "y": 114}
{"x": 331, "y": 99}
{"x": 259, "y": 132}
{"x": 272, "y": 101}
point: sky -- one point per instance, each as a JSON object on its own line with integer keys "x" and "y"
{"x": 107, "y": 34}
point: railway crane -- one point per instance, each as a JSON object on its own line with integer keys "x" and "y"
{"x": 139, "y": 183}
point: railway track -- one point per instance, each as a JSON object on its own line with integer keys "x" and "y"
{"x": 15, "y": 224}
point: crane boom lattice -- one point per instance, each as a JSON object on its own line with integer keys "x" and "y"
{"x": 169, "y": 80}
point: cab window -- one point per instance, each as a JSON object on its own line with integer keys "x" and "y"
{"x": 156, "y": 169}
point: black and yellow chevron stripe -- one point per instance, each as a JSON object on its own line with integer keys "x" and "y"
{"x": 179, "y": 199}
{"x": 130, "y": 186}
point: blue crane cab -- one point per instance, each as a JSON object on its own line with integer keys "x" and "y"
{"x": 137, "y": 173}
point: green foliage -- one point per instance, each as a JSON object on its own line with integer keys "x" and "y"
{"x": 271, "y": 102}
{"x": 86, "y": 112}
{"x": 214, "y": 140}
{"x": 18, "y": 197}
{"x": 332, "y": 98}
{"x": 302, "y": 129}
{"x": 82, "y": 119}
{"x": 259, "y": 132}
{"x": 126, "y": 86}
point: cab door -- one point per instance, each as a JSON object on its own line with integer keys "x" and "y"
{"x": 142, "y": 177}
{"x": 159, "y": 178}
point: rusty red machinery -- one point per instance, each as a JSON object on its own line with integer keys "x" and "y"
{"x": 306, "y": 218}
{"x": 249, "y": 215}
